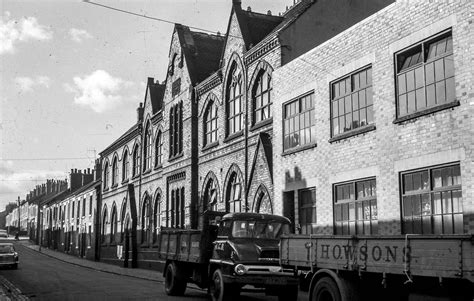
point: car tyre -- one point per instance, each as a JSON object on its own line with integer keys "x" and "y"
{"x": 174, "y": 284}
{"x": 221, "y": 291}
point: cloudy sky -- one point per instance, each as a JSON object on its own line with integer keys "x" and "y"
{"x": 73, "y": 73}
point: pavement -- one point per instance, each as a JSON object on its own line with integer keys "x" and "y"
{"x": 8, "y": 291}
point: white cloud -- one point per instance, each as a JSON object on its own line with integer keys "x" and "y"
{"x": 23, "y": 30}
{"x": 78, "y": 35}
{"x": 26, "y": 84}
{"x": 99, "y": 90}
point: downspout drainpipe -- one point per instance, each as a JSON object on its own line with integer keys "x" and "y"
{"x": 246, "y": 141}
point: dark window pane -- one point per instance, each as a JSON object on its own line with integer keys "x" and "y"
{"x": 348, "y": 122}
{"x": 438, "y": 224}
{"x": 341, "y": 107}
{"x": 416, "y": 203}
{"x": 363, "y": 79}
{"x": 458, "y": 223}
{"x": 352, "y": 212}
{"x": 407, "y": 206}
{"x": 355, "y": 101}
{"x": 335, "y": 109}
{"x": 363, "y": 117}
{"x": 456, "y": 175}
{"x": 448, "y": 224}
{"x": 348, "y": 105}
{"x": 457, "y": 201}
{"x": 437, "y": 181}
{"x": 425, "y": 204}
{"x": 447, "y": 203}
{"x": 355, "y": 81}
{"x": 355, "y": 119}
{"x": 408, "y": 182}
{"x": 437, "y": 209}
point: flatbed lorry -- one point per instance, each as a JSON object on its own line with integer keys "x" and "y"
{"x": 405, "y": 267}
{"x": 230, "y": 251}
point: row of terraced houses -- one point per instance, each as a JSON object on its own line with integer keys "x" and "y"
{"x": 347, "y": 117}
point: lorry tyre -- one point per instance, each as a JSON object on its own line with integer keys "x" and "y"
{"x": 221, "y": 291}
{"x": 174, "y": 285}
{"x": 326, "y": 289}
{"x": 289, "y": 293}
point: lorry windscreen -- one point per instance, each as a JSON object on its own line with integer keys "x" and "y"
{"x": 259, "y": 229}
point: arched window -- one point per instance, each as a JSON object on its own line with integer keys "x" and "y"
{"x": 136, "y": 161}
{"x": 113, "y": 225}
{"x": 105, "y": 221}
{"x": 158, "y": 150}
{"x": 115, "y": 172}
{"x": 264, "y": 204}
{"x": 156, "y": 217}
{"x": 106, "y": 175}
{"x": 210, "y": 196}
{"x": 234, "y": 95}
{"x": 147, "y": 150}
{"x": 261, "y": 97}
{"x": 122, "y": 219}
{"x": 125, "y": 165}
{"x": 234, "y": 194}
{"x": 145, "y": 220}
{"x": 210, "y": 124}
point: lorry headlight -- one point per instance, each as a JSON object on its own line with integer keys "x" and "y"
{"x": 240, "y": 269}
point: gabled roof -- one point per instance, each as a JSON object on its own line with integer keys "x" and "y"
{"x": 157, "y": 92}
{"x": 201, "y": 52}
{"x": 121, "y": 140}
{"x": 255, "y": 26}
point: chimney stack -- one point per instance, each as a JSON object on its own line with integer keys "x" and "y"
{"x": 249, "y": 8}
{"x": 140, "y": 111}
{"x": 269, "y": 12}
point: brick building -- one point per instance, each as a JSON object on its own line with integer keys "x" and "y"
{"x": 388, "y": 107}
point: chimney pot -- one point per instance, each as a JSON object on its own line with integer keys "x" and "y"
{"x": 151, "y": 80}
{"x": 249, "y": 8}
{"x": 269, "y": 12}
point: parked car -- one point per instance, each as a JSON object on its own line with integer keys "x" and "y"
{"x": 8, "y": 255}
{"x": 3, "y": 234}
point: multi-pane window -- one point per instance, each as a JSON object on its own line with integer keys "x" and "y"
{"x": 176, "y": 214}
{"x": 234, "y": 197}
{"x": 90, "y": 205}
{"x": 147, "y": 150}
{"x": 234, "y": 95}
{"x": 156, "y": 217}
{"x": 145, "y": 221}
{"x": 355, "y": 208}
{"x": 299, "y": 123}
{"x": 115, "y": 172}
{"x": 262, "y": 98}
{"x": 210, "y": 196}
{"x": 210, "y": 124}
{"x": 136, "y": 161}
{"x": 432, "y": 201}
{"x": 106, "y": 175}
{"x": 113, "y": 225}
{"x": 176, "y": 129}
{"x": 425, "y": 75}
{"x": 84, "y": 207}
{"x": 158, "y": 150}
{"x": 351, "y": 102}
{"x": 307, "y": 211}
{"x": 125, "y": 166}
{"x": 104, "y": 226}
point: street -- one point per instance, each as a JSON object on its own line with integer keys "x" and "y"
{"x": 40, "y": 277}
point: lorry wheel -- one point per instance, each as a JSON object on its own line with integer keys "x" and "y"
{"x": 289, "y": 293}
{"x": 174, "y": 286}
{"x": 326, "y": 290}
{"x": 221, "y": 291}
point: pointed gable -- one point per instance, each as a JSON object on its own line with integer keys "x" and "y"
{"x": 154, "y": 95}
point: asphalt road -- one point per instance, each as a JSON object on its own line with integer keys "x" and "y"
{"x": 40, "y": 277}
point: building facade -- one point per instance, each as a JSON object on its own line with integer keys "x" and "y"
{"x": 387, "y": 105}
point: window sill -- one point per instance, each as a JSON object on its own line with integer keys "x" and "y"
{"x": 114, "y": 186}
{"x": 261, "y": 124}
{"x": 125, "y": 181}
{"x": 135, "y": 176}
{"x": 158, "y": 166}
{"x": 146, "y": 171}
{"x": 234, "y": 136}
{"x": 358, "y": 131}
{"x": 176, "y": 157}
{"x": 299, "y": 149}
{"x": 210, "y": 145}
{"x": 105, "y": 189}
{"x": 427, "y": 111}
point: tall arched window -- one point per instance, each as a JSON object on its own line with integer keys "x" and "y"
{"x": 264, "y": 204}
{"x": 105, "y": 221}
{"x": 115, "y": 171}
{"x": 234, "y": 194}
{"x": 234, "y": 95}
{"x": 125, "y": 165}
{"x": 145, "y": 221}
{"x": 156, "y": 217}
{"x": 122, "y": 219}
{"x": 113, "y": 224}
{"x": 106, "y": 175}
{"x": 261, "y": 96}
{"x": 210, "y": 196}
{"x": 210, "y": 124}
{"x": 147, "y": 150}
{"x": 158, "y": 150}
{"x": 136, "y": 161}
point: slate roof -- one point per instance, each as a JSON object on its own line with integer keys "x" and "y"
{"x": 157, "y": 92}
{"x": 201, "y": 52}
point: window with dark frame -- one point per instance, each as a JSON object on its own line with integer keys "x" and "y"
{"x": 90, "y": 205}
{"x": 147, "y": 150}
{"x": 176, "y": 130}
{"x": 84, "y": 207}
{"x": 234, "y": 194}
{"x": 425, "y": 75}
{"x": 432, "y": 200}
{"x": 299, "y": 122}
{"x": 125, "y": 166}
{"x": 262, "y": 101}
{"x": 210, "y": 124}
{"x": 351, "y": 102}
{"x": 106, "y": 175}
{"x": 115, "y": 171}
{"x": 158, "y": 150}
{"x": 355, "y": 208}
{"x": 234, "y": 98}
{"x": 113, "y": 225}
{"x": 145, "y": 221}
{"x": 136, "y": 161}
{"x": 307, "y": 210}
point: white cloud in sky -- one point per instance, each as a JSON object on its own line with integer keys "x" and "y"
{"x": 23, "y": 30}
{"x": 79, "y": 35}
{"x": 27, "y": 84}
{"x": 99, "y": 90}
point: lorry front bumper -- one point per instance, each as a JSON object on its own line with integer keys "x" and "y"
{"x": 261, "y": 280}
